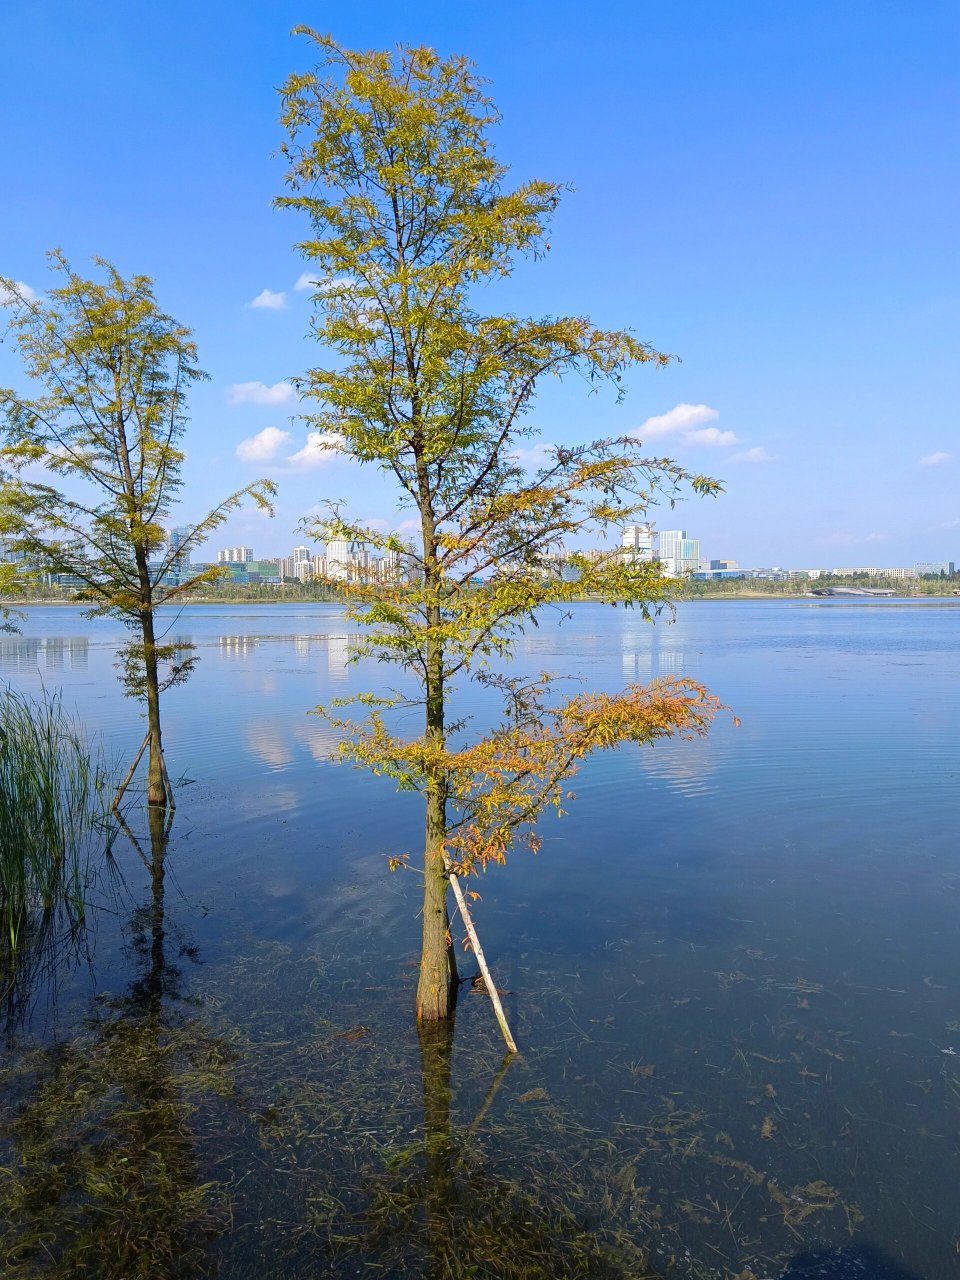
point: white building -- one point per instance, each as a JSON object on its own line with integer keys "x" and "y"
{"x": 638, "y": 542}
{"x": 341, "y": 558}
{"x": 678, "y": 554}
{"x": 872, "y": 571}
{"x": 234, "y": 555}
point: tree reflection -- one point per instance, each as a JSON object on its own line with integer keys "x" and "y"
{"x": 50, "y": 944}
{"x": 103, "y": 1178}
{"x": 446, "y": 1213}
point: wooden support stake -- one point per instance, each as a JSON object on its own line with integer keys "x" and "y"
{"x": 130, "y": 772}
{"x": 166, "y": 781}
{"x": 481, "y": 959}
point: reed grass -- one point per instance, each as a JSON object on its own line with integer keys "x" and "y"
{"x": 51, "y": 809}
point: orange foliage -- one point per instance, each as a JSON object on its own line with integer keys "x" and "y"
{"x": 497, "y": 788}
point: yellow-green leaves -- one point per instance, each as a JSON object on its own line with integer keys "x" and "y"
{"x": 390, "y": 158}
{"x": 105, "y": 410}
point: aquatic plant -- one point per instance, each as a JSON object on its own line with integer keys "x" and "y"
{"x": 51, "y": 812}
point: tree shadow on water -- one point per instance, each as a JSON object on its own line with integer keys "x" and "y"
{"x": 102, "y": 1178}
{"x": 440, "y": 1211}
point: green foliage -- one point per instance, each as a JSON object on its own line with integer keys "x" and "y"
{"x": 113, "y": 373}
{"x": 391, "y": 160}
{"x": 393, "y": 164}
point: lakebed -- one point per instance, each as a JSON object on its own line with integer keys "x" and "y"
{"x": 731, "y": 970}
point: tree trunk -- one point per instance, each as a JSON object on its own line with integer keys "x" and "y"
{"x": 437, "y": 988}
{"x": 156, "y": 786}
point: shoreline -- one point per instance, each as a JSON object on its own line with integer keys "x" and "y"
{"x": 906, "y": 597}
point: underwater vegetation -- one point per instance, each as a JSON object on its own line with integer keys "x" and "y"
{"x": 52, "y": 819}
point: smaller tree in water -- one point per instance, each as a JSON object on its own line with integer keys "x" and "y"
{"x": 390, "y": 158}
{"x": 114, "y": 373}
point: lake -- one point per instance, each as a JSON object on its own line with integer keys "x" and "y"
{"x": 731, "y": 970}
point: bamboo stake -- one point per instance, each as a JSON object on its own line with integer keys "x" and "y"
{"x": 166, "y": 781}
{"x": 481, "y": 959}
{"x": 130, "y": 772}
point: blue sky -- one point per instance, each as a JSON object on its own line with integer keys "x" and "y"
{"x": 768, "y": 190}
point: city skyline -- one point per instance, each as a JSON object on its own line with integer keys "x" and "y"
{"x": 679, "y": 554}
{"x": 786, "y": 228}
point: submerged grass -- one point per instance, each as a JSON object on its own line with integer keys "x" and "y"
{"x": 288, "y": 1122}
{"x": 51, "y": 807}
{"x": 264, "y": 1131}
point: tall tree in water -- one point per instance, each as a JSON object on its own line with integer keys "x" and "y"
{"x": 113, "y": 372}
{"x": 390, "y": 159}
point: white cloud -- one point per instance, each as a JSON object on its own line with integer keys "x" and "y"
{"x": 752, "y": 455}
{"x": 267, "y": 444}
{"x": 682, "y": 417}
{"x": 20, "y": 292}
{"x": 711, "y": 436}
{"x": 534, "y": 457}
{"x": 262, "y": 447}
{"x": 310, "y": 281}
{"x": 851, "y": 540}
{"x": 260, "y": 393}
{"x": 687, "y": 422}
{"x": 934, "y": 460}
{"x": 272, "y": 301}
{"x": 317, "y": 452}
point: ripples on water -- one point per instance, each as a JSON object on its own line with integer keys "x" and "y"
{"x": 732, "y": 967}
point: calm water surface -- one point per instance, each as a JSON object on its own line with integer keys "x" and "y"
{"x": 732, "y": 970}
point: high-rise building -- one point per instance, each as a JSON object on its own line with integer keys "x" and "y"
{"x": 638, "y": 542}
{"x": 678, "y": 554}
{"x": 945, "y": 568}
{"x": 179, "y": 570}
{"x": 341, "y": 555}
{"x": 234, "y": 555}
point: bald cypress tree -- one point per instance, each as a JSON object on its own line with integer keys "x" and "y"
{"x": 390, "y": 158}
{"x": 109, "y": 374}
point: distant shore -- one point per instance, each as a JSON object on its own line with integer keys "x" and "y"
{"x": 705, "y": 597}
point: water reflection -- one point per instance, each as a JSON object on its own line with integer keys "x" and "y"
{"x": 102, "y": 1174}
{"x": 475, "y": 1222}
{"x": 51, "y": 943}
{"x": 650, "y": 652}
{"x": 236, "y": 646}
{"x": 53, "y": 651}
{"x": 338, "y": 657}
{"x": 25, "y": 654}
{"x": 270, "y": 745}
